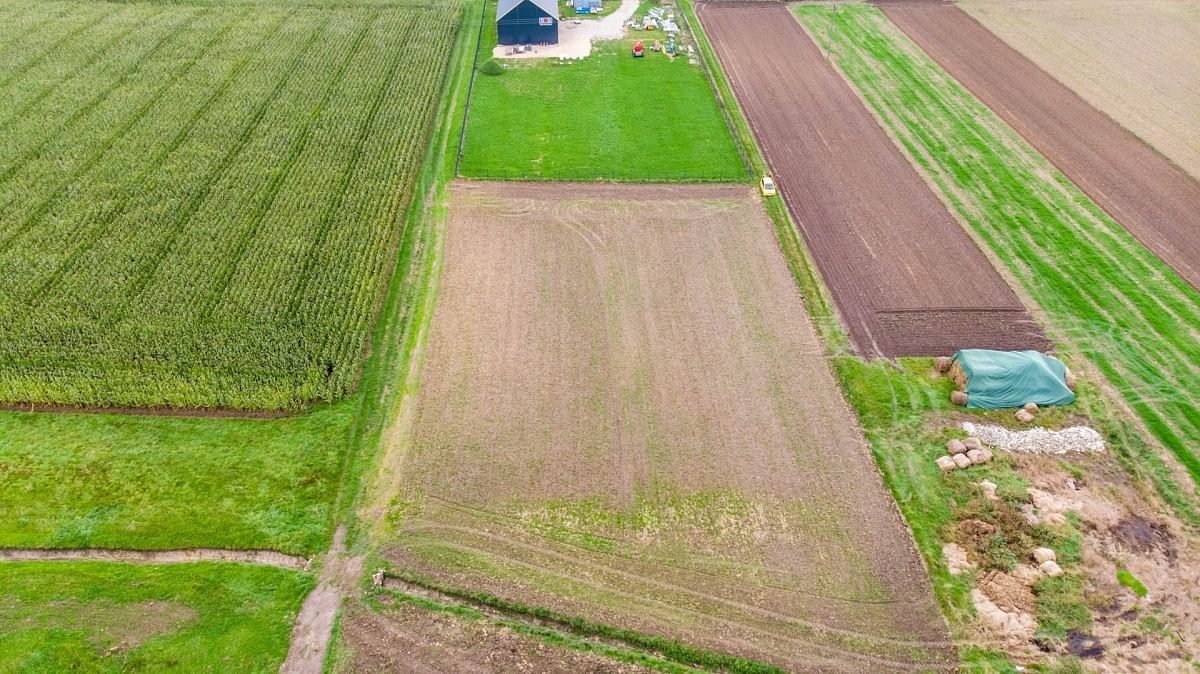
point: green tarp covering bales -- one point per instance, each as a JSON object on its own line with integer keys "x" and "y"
{"x": 1001, "y": 379}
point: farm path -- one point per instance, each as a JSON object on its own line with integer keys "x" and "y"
{"x": 906, "y": 278}
{"x": 313, "y": 629}
{"x": 1155, "y": 200}
{"x": 180, "y": 556}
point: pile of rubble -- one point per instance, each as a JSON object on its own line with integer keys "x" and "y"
{"x": 1038, "y": 440}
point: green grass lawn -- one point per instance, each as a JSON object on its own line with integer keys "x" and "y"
{"x": 1104, "y": 294}
{"x": 105, "y": 617}
{"x": 100, "y": 480}
{"x": 607, "y": 117}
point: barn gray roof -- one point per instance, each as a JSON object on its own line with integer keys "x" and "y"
{"x": 505, "y": 6}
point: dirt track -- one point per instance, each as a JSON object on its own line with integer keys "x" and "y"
{"x": 906, "y": 277}
{"x": 1152, "y": 198}
{"x": 624, "y": 413}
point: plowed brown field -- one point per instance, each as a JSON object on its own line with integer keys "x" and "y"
{"x": 625, "y": 414}
{"x": 1156, "y": 201}
{"x": 906, "y": 277}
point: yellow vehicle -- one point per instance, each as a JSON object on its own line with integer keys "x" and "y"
{"x": 767, "y": 186}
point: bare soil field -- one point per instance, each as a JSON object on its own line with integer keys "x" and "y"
{"x": 1139, "y": 62}
{"x": 626, "y": 414}
{"x": 406, "y": 638}
{"x": 1155, "y": 200}
{"x": 907, "y": 279}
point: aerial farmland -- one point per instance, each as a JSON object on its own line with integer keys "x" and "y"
{"x": 599, "y": 336}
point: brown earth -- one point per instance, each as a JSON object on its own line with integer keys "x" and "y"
{"x": 404, "y": 638}
{"x": 907, "y": 279}
{"x": 1153, "y": 199}
{"x": 1136, "y": 61}
{"x": 625, "y": 413}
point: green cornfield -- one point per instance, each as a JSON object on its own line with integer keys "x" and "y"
{"x": 200, "y": 201}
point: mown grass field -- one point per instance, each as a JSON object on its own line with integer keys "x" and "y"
{"x": 607, "y": 117}
{"x": 98, "y": 480}
{"x": 199, "y": 202}
{"x": 1104, "y": 294}
{"x": 102, "y": 617}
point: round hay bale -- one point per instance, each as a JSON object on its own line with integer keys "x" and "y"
{"x": 942, "y": 364}
{"x": 956, "y": 446}
{"x": 957, "y": 374}
{"x": 945, "y": 463}
{"x": 976, "y": 456}
{"x": 972, "y": 443}
{"x": 987, "y": 454}
{"x": 959, "y": 398}
{"x": 961, "y": 460}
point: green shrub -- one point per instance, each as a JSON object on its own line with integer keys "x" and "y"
{"x": 491, "y": 67}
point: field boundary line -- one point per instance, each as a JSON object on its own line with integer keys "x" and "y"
{"x": 167, "y": 556}
{"x": 712, "y": 84}
{"x": 462, "y": 133}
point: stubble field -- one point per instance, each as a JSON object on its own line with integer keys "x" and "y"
{"x": 625, "y": 414}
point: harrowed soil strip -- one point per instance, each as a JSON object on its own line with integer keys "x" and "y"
{"x": 625, "y": 414}
{"x": 1153, "y": 199}
{"x": 906, "y": 278}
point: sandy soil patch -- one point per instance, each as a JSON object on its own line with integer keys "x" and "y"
{"x": 906, "y": 277}
{"x": 1136, "y": 61}
{"x": 625, "y": 413}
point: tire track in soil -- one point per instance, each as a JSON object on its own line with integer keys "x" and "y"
{"x": 313, "y": 629}
{"x": 907, "y": 279}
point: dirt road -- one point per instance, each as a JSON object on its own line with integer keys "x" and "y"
{"x": 1156, "y": 201}
{"x": 906, "y": 277}
{"x": 625, "y": 414}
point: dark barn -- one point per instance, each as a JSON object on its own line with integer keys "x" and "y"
{"x": 527, "y": 22}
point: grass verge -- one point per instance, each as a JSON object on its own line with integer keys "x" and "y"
{"x": 150, "y": 482}
{"x": 104, "y": 617}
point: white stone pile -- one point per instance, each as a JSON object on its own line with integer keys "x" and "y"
{"x": 1038, "y": 440}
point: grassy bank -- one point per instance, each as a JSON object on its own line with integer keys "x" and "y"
{"x": 108, "y": 480}
{"x": 606, "y": 117}
{"x": 101, "y": 617}
{"x": 1106, "y": 296}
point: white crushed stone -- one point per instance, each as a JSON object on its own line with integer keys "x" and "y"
{"x": 1038, "y": 440}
